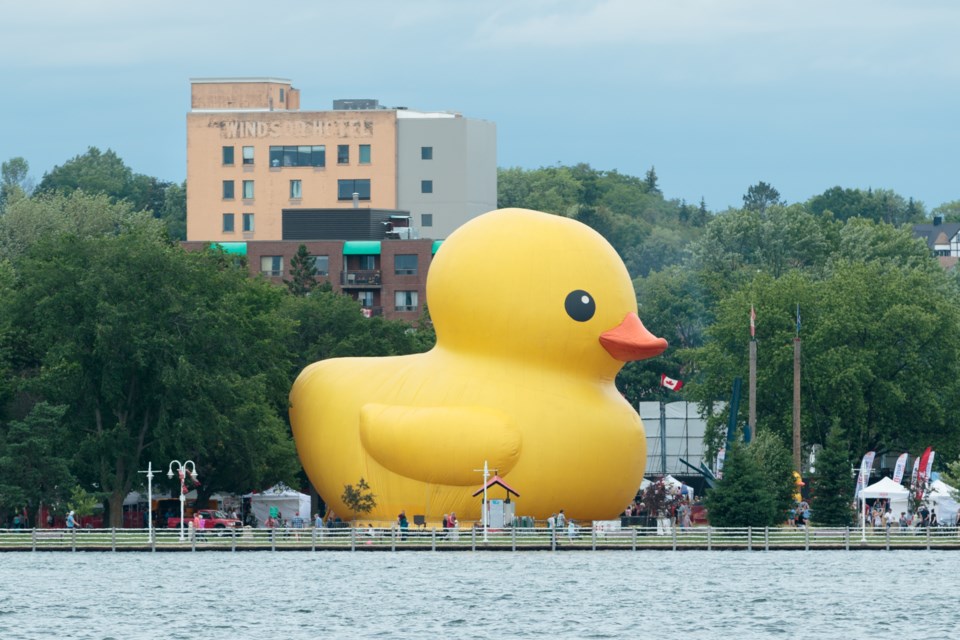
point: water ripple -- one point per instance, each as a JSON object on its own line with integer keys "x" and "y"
{"x": 613, "y": 594}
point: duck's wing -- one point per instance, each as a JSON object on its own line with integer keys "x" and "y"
{"x": 439, "y": 445}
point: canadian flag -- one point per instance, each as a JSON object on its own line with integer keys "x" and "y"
{"x": 670, "y": 383}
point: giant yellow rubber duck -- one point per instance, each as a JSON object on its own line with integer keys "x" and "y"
{"x": 535, "y": 314}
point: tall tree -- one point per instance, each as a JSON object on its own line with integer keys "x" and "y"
{"x": 34, "y": 467}
{"x": 153, "y": 348}
{"x": 650, "y": 181}
{"x": 832, "y": 484}
{"x": 760, "y": 196}
{"x": 776, "y": 464}
{"x": 15, "y": 182}
{"x": 742, "y": 498}
{"x": 303, "y": 273}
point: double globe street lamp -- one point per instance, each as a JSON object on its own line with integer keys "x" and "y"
{"x": 183, "y": 469}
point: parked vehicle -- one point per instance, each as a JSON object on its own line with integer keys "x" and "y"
{"x": 213, "y": 519}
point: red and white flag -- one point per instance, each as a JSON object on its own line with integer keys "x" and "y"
{"x": 900, "y": 468}
{"x": 670, "y": 383}
{"x": 753, "y": 322}
{"x": 923, "y": 476}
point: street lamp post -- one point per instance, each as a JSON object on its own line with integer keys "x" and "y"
{"x": 150, "y": 475}
{"x": 182, "y": 470}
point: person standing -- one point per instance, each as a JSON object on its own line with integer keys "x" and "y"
{"x": 561, "y": 521}
{"x": 454, "y": 530}
{"x": 297, "y": 524}
{"x": 71, "y": 520}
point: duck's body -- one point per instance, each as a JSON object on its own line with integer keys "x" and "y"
{"x": 520, "y": 379}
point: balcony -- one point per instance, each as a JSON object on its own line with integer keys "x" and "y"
{"x": 366, "y": 278}
{"x": 370, "y": 312}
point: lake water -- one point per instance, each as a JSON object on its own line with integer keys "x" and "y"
{"x": 612, "y": 594}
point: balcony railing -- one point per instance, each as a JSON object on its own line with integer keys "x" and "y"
{"x": 364, "y": 278}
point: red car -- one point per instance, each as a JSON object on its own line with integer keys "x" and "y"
{"x": 212, "y": 519}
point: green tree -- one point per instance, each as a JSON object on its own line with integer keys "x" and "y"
{"x": 174, "y": 210}
{"x": 34, "y": 467}
{"x": 29, "y": 220}
{"x": 97, "y": 172}
{"x": 881, "y": 205}
{"x": 776, "y": 464}
{"x": 760, "y": 196}
{"x": 880, "y": 347}
{"x": 949, "y": 210}
{"x": 14, "y": 181}
{"x": 93, "y": 172}
{"x": 650, "y": 181}
{"x": 303, "y": 273}
{"x": 741, "y": 498}
{"x": 153, "y": 347}
{"x": 832, "y": 484}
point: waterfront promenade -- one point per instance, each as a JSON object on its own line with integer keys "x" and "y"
{"x": 473, "y": 539}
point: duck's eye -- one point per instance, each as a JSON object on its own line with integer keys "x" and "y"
{"x": 580, "y": 305}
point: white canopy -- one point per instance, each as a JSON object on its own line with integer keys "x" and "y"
{"x": 285, "y": 500}
{"x": 893, "y": 492}
{"x": 941, "y": 495}
{"x": 672, "y": 485}
{"x": 684, "y": 489}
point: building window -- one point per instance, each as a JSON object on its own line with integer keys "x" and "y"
{"x": 296, "y": 189}
{"x": 248, "y": 155}
{"x": 248, "y": 222}
{"x": 228, "y": 223}
{"x": 406, "y": 300}
{"x": 426, "y": 219}
{"x": 346, "y": 189}
{"x": 426, "y": 186}
{"x": 368, "y": 263}
{"x": 271, "y": 266}
{"x": 343, "y": 154}
{"x": 426, "y": 153}
{"x": 364, "y": 154}
{"x": 282, "y": 95}
{"x": 228, "y": 156}
{"x": 248, "y": 189}
{"x": 228, "y": 189}
{"x": 299, "y": 156}
{"x": 321, "y": 264}
{"x": 365, "y": 298}
{"x": 405, "y": 264}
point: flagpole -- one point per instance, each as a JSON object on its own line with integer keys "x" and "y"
{"x": 796, "y": 397}
{"x": 752, "y": 410}
{"x": 663, "y": 435}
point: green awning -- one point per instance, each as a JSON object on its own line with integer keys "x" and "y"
{"x": 233, "y": 248}
{"x": 436, "y": 245}
{"x": 361, "y": 248}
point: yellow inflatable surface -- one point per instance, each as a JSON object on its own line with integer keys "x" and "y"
{"x": 535, "y": 314}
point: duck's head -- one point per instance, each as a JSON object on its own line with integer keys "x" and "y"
{"x": 543, "y": 289}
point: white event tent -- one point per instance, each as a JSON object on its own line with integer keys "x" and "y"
{"x": 886, "y": 489}
{"x": 941, "y": 495}
{"x": 286, "y": 500}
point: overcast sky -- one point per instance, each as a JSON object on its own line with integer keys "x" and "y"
{"x": 715, "y": 94}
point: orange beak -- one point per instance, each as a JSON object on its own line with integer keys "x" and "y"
{"x": 630, "y": 341}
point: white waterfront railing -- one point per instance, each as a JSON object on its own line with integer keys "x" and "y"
{"x": 472, "y": 538}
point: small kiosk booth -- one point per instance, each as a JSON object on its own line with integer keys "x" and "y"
{"x": 500, "y": 513}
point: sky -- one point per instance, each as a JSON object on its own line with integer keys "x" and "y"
{"x": 715, "y": 95}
